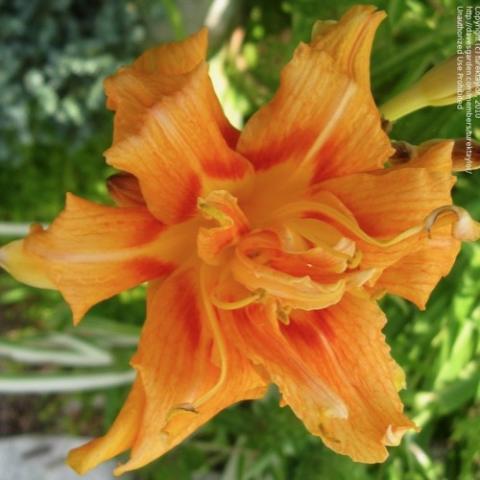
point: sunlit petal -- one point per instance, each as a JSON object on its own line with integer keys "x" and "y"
{"x": 180, "y": 153}
{"x": 178, "y": 363}
{"x": 334, "y": 369}
{"x": 322, "y": 121}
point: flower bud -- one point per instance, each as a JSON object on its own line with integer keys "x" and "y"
{"x": 439, "y": 86}
{"x": 24, "y": 266}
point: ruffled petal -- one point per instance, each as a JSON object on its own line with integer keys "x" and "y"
{"x": 180, "y": 153}
{"x": 179, "y": 364}
{"x": 393, "y": 200}
{"x": 92, "y": 252}
{"x": 309, "y": 216}
{"x": 390, "y": 201}
{"x": 417, "y": 273}
{"x": 349, "y": 42}
{"x": 119, "y": 438}
{"x": 160, "y": 71}
{"x": 436, "y": 156}
{"x": 322, "y": 121}
{"x": 334, "y": 370}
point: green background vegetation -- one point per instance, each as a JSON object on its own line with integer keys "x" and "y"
{"x": 54, "y": 127}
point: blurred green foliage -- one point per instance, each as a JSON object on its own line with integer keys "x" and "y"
{"x": 54, "y": 127}
{"x": 55, "y": 55}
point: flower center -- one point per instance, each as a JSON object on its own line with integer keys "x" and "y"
{"x": 293, "y": 263}
{"x": 304, "y": 258}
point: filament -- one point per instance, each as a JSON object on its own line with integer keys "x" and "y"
{"x": 309, "y": 206}
{"x": 218, "y": 340}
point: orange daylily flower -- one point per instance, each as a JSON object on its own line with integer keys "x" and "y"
{"x": 265, "y": 250}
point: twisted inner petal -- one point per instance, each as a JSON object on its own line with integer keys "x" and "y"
{"x": 349, "y": 41}
{"x": 259, "y": 263}
{"x": 222, "y": 208}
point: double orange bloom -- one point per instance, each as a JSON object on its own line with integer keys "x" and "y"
{"x": 264, "y": 250}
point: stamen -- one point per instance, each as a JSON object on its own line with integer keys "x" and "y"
{"x": 218, "y": 340}
{"x": 309, "y": 206}
{"x": 255, "y": 297}
{"x": 221, "y": 206}
{"x": 219, "y": 343}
